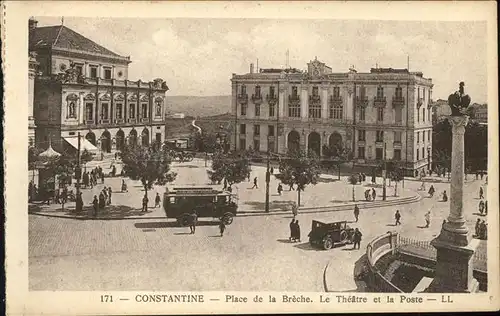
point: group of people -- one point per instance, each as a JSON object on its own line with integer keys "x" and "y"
{"x": 370, "y": 195}
{"x": 432, "y": 191}
{"x": 90, "y": 178}
{"x": 481, "y": 229}
{"x": 103, "y": 200}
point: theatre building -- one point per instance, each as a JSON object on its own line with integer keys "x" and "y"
{"x": 82, "y": 87}
{"x": 384, "y": 113}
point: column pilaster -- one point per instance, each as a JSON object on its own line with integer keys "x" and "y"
{"x": 303, "y": 102}
{"x": 324, "y": 100}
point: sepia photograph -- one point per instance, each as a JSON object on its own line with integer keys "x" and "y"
{"x": 169, "y": 156}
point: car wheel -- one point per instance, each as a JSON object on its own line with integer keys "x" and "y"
{"x": 328, "y": 243}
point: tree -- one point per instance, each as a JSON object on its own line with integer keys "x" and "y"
{"x": 232, "y": 167}
{"x": 62, "y": 168}
{"x": 300, "y": 169}
{"x": 396, "y": 175}
{"x": 353, "y": 179}
{"x": 336, "y": 155}
{"x": 85, "y": 157}
{"x": 148, "y": 165}
{"x": 205, "y": 142}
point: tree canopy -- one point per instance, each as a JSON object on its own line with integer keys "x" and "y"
{"x": 148, "y": 165}
{"x": 233, "y": 167}
{"x": 300, "y": 169}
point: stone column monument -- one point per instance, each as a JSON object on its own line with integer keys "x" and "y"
{"x": 455, "y": 247}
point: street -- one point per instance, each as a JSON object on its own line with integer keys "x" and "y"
{"x": 253, "y": 255}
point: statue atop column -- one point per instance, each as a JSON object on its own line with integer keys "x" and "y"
{"x": 459, "y": 101}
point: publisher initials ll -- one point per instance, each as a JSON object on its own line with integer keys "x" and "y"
{"x": 446, "y": 299}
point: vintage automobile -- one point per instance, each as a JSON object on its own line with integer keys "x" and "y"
{"x": 180, "y": 202}
{"x": 328, "y": 235}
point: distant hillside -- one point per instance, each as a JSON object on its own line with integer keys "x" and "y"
{"x": 199, "y": 106}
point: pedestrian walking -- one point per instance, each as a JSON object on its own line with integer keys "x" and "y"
{"x": 445, "y": 196}
{"x": 357, "y": 238}
{"x": 356, "y": 212}
{"x": 102, "y": 201}
{"x": 477, "y": 228}
{"x": 482, "y": 230}
{"x": 431, "y": 191}
{"x": 481, "y": 207}
{"x": 481, "y": 193}
{"x": 374, "y": 194}
{"x": 95, "y": 203}
{"x": 272, "y": 170}
{"x": 145, "y": 201}
{"x": 222, "y": 228}
{"x": 110, "y": 192}
{"x": 292, "y": 230}
{"x": 397, "y": 216}
{"x": 255, "y": 183}
{"x": 113, "y": 171}
{"x": 280, "y": 188}
{"x": 157, "y": 200}
{"x": 102, "y": 176}
{"x": 79, "y": 201}
{"x": 297, "y": 231}
{"x": 193, "y": 222}
{"x": 427, "y": 219}
{"x": 124, "y": 186}
{"x": 364, "y": 177}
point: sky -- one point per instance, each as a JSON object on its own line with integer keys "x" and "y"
{"x": 197, "y": 57}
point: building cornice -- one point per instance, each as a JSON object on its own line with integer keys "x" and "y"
{"x": 57, "y": 51}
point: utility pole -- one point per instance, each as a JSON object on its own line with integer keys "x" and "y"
{"x": 78, "y": 175}
{"x": 268, "y": 178}
{"x": 384, "y": 189}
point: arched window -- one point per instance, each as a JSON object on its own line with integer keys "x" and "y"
{"x": 144, "y": 110}
{"x": 119, "y": 110}
{"x": 243, "y": 90}
{"x": 338, "y": 111}
{"x": 105, "y": 111}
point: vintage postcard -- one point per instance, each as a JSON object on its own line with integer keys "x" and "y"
{"x": 250, "y": 157}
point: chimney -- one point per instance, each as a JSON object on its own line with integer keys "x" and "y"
{"x": 32, "y": 24}
{"x": 251, "y": 68}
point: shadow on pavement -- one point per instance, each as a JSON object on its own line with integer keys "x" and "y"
{"x": 340, "y": 201}
{"x": 327, "y": 180}
{"x": 284, "y": 241}
{"x": 186, "y": 166}
{"x": 275, "y": 205}
{"x": 376, "y": 185}
{"x": 145, "y": 225}
{"x": 479, "y": 214}
{"x": 307, "y": 246}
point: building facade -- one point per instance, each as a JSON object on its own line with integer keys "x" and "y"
{"x": 280, "y": 109}
{"x": 83, "y": 88}
{"x": 32, "y": 72}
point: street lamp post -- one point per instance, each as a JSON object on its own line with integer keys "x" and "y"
{"x": 384, "y": 189}
{"x": 268, "y": 178}
{"x": 429, "y": 158}
{"x": 78, "y": 175}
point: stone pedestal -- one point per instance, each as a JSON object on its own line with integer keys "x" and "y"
{"x": 455, "y": 247}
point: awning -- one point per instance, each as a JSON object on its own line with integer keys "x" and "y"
{"x": 84, "y": 143}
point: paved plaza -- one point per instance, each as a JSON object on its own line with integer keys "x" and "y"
{"x": 253, "y": 255}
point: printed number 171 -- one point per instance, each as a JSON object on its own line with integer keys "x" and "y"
{"x": 106, "y": 299}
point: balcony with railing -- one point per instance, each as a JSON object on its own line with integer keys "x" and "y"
{"x": 104, "y": 121}
{"x": 272, "y": 99}
{"x": 362, "y": 101}
{"x": 119, "y": 121}
{"x": 294, "y": 99}
{"x": 314, "y": 99}
{"x": 242, "y": 98}
{"x": 257, "y": 98}
{"x": 335, "y": 100}
{"x": 398, "y": 102}
{"x": 380, "y": 102}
